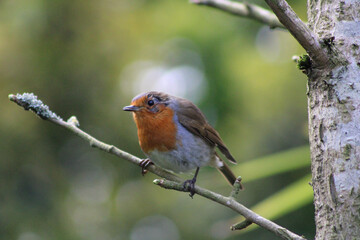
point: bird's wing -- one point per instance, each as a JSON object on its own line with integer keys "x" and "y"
{"x": 194, "y": 121}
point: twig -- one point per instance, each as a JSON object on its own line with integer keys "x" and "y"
{"x": 307, "y": 39}
{"x": 30, "y": 102}
{"x": 234, "y": 205}
{"x": 244, "y": 10}
{"x": 242, "y": 225}
{"x": 236, "y": 188}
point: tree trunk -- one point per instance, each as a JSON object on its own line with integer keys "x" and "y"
{"x": 334, "y": 120}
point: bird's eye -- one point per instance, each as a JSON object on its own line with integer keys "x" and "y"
{"x": 151, "y": 102}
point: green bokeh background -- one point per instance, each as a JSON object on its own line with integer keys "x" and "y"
{"x": 89, "y": 58}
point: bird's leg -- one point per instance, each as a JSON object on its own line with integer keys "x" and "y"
{"x": 144, "y": 164}
{"x": 189, "y": 185}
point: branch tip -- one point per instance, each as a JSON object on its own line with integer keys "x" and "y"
{"x": 295, "y": 58}
{"x": 236, "y": 187}
{"x": 29, "y": 101}
{"x": 11, "y": 97}
{"x": 73, "y": 121}
{"x": 158, "y": 182}
{"x": 242, "y": 225}
{"x": 168, "y": 184}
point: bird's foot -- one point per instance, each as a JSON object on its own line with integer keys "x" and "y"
{"x": 189, "y": 185}
{"x": 144, "y": 164}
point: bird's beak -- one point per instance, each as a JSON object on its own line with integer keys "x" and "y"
{"x": 131, "y": 108}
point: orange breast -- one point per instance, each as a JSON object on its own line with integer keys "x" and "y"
{"x": 156, "y": 130}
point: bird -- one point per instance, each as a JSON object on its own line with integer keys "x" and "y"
{"x": 174, "y": 134}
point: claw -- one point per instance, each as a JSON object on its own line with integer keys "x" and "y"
{"x": 144, "y": 164}
{"x": 189, "y": 185}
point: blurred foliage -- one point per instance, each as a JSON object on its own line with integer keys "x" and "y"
{"x": 89, "y": 58}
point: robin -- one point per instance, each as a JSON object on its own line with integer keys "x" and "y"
{"x": 175, "y": 135}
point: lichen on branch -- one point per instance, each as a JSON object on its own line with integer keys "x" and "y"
{"x": 29, "y": 101}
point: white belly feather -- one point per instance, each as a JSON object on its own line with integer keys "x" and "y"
{"x": 191, "y": 152}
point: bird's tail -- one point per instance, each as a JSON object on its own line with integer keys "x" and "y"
{"x": 225, "y": 170}
{"x": 228, "y": 174}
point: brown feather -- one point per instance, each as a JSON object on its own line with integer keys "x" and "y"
{"x": 227, "y": 173}
{"x": 194, "y": 121}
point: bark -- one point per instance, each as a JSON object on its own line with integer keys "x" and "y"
{"x": 334, "y": 119}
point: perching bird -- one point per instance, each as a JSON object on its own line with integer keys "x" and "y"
{"x": 175, "y": 135}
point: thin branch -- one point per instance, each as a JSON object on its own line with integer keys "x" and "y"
{"x": 244, "y": 10}
{"x": 236, "y": 188}
{"x": 234, "y": 205}
{"x": 307, "y": 39}
{"x": 242, "y": 225}
{"x": 30, "y": 102}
